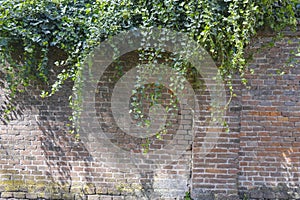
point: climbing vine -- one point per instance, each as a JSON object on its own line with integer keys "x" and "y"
{"x": 34, "y": 27}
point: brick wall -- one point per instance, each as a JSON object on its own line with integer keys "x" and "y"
{"x": 269, "y": 142}
{"x": 258, "y": 158}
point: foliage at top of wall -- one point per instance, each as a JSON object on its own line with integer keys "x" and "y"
{"x": 224, "y": 28}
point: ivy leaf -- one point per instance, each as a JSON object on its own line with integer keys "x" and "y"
{"x": 28, "y": 49}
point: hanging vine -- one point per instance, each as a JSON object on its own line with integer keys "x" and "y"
{"x": 34, "y": 27}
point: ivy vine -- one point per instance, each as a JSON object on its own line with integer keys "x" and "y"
{"x": 34, "y": 27}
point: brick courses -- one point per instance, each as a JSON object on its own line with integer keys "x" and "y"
{"x": 258, "y": 158}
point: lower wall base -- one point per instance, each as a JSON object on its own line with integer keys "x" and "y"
{"x": 281, "y": 192}
{"x": 23, "y": 195}
{"x": 214, "y": 196}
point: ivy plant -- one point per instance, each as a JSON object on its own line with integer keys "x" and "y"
{"x": 33, "y": 28}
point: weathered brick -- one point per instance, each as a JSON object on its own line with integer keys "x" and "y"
{"x": 7, "y": 194}
{"x": 40, "y": 160}
{"x": 93, "y": 197}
